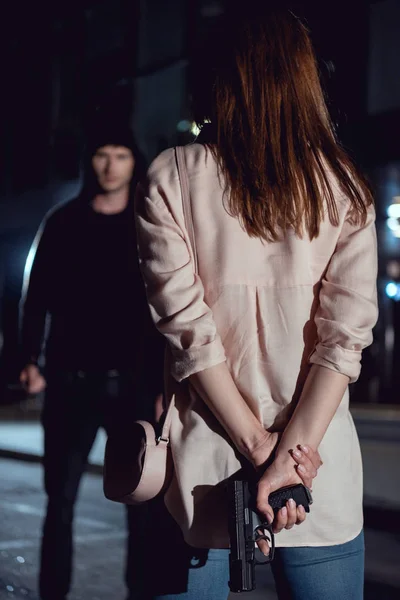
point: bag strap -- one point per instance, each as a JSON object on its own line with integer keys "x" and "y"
{"x": 187, "y": 213}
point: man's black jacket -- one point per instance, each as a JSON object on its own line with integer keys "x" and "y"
{"x": 85, "y": 277}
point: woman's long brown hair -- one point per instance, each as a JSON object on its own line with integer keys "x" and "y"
{"x": 275, "y": 143}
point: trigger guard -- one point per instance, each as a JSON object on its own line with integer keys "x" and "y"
{"x": 270, "y": 540}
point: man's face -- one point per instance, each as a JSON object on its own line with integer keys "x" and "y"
{"x": 113, "y": 166}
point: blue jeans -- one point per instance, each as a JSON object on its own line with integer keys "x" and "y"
{"x": 301, "y": 573}
{"x": 320, "y": 573}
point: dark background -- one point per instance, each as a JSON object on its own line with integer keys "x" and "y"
{"x": 67, "y": 65}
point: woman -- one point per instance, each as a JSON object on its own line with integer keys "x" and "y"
{"x": 268, "y": 333}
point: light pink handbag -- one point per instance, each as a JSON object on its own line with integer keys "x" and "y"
{"x": 138, "y": 464}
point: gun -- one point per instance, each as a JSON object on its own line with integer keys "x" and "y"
{"x": 246, "y": 528}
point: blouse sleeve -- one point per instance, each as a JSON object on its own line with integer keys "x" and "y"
{"x": 347, "y": 309}
{"x": 175, "y": 292}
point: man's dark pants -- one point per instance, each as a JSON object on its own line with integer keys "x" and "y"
{"x": 76, "y": 405}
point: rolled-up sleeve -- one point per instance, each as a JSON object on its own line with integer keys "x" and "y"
{"x": 175, "y": 292}
{"x": 347, "y": 309}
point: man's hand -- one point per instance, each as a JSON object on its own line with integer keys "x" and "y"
{"x": 158, "y": 408}
{"x": 32, "y": 380}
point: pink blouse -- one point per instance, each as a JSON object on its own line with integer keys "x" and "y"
{"x": 268, "y": 310}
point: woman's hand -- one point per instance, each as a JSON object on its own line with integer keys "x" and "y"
{"x": 308, "y": 462}
{"x": 300, "y": 466}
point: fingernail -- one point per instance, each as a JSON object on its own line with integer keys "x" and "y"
{"x": 284, "y": 511}
{"x": 291, "y": 503}
{"x": 297, "y": 454}
{"x": 301, "y": 468}
{"x": 301, "y": 508}
{"x": 304, "y": 448}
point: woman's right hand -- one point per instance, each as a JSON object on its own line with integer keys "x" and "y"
{"x": 300, "y": 466}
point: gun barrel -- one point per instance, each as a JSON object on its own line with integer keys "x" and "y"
{"x": 241, "y": 559}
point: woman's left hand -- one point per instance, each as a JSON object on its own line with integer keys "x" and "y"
{"x": 308, "y": 462}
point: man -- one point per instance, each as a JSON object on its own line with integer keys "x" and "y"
{"x": 103, "y": 358}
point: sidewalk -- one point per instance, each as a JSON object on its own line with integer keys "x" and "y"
{"x": 23, "y": 440}
{"x": 21, "y": 435}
